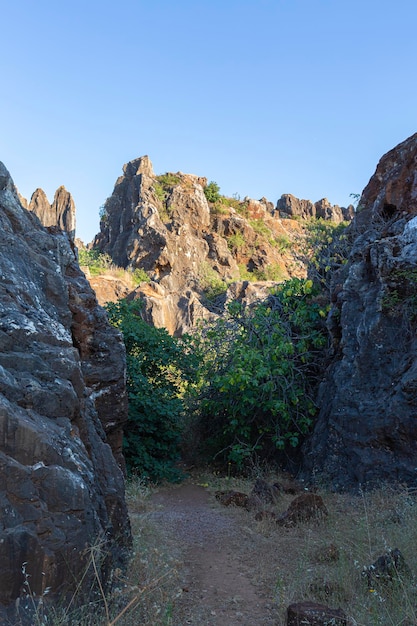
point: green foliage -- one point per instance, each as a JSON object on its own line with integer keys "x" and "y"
{"x": 241, "y": 206}
{"x": 140, "y": 276}
{"x": 96, "y": 261}
{"x": 211, "y": 283}
{"x": 159, "y": 371}
{"x": 274, "y": 272}
{"x": 160, "y": 192}
{"x": 259, "y": 369}
{"x": 282, "y": 242}
{"x": 103, "y": 213}
{"x": 212, "y": 192}
{"x": 324, "y": 249}
{"x": 168, "y": 179}
{"x": 236, "y": 241}
{"x": 400, "y": 297}
{"x": 261, "y": 228}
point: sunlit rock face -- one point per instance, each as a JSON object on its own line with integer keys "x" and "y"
{"x": 60, "y": 213}
{"x": 165, "y": 226}
{"x": 306, "y": 209}
{"x": 62, "y": 409}
{"x": 367, "y": 428}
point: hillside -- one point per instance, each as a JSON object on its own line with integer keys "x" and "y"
{"x": 197, "y": 248}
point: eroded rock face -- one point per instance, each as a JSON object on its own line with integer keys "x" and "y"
{"x": 60, "y": 213}
{"x": 62, "y": 409}
{"x": 165, "y": 226}
{"x": 367, "y": 428}
{"x": 306, "y": 209}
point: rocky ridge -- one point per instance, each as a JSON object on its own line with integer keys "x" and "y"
{"x": 190, "y": 247}
{"x": 63, "y": 405}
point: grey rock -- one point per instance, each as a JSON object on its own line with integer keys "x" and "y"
{"x": 366, "y": 432}
{"x": 62, "y": 409}
{"x": 59, "y": 214}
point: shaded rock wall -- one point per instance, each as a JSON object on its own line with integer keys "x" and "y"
{"x": 367, "y": 427}
{"x": 62, "y": 409}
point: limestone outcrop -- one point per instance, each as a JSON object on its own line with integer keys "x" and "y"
{"x": 62, "y": 409}
{"x": 367, "y": 428}
{"x": 289, "y": 205}
{"x": 188, "y": 246}
{"x": 61, "y": 213}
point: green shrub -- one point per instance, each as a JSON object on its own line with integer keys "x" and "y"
{"x": 158, "y": 373}
{"x": 211, "y": 282}
{"x": 212, "y": 192}
{"x": 168, "y": 179}
{"x": 261, "y": 228}
{"x": 160, "y": 192}
{"x": 260, "y": 375}
{"x": 96, "y": 261}
{"x": 324, "y": 249}
{"x": 140, "y": 276}
{"x": 236, "y": 241}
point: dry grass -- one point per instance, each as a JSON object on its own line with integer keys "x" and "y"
{"x": 324, "y": 562}
{"x": 316, "y": 561}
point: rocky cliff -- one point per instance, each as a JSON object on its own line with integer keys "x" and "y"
{"x": 62, "y": 409}
{"x": 191, "y": 247}
{"x": 367, "y": 428}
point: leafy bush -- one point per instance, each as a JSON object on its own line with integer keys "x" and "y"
{"x": 260, "y": 366}
{"x": 168, "y": 179}
{"x": 236, "y": 241}
{"x": 96, "y": 261}
{"x": 211, "y": 282}
{"x": 324, "y": 249}
{"x": 159, "y": 370}
{"x": 140, "y": 276}
{"x": 212, "y": 192}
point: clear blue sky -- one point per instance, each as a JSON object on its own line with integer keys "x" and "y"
{"x": 264, "y": 97}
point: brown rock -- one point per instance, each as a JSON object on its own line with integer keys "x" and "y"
{"x": 312, "y": 614}
{"x": 229, "y": 498}
{"x": 308, "y": 506}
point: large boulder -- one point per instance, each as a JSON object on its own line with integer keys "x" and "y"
{"x": 367, "y": 428}
{"x": 62, "y": 409}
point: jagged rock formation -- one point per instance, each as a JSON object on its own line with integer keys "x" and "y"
{"x": 165, "y": 225}
{"x": 292, "y": 206}
{"x": 61, "y": 213}
{"x": 367, "y": 427}
{"x": 62, "y": 408}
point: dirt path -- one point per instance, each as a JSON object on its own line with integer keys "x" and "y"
{"x": 220, "y": 586}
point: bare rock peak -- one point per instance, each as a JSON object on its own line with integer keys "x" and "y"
{"x": 60, "y": 214}
{"x": 141, "y": 165}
